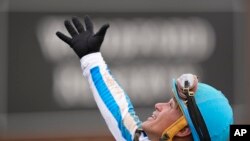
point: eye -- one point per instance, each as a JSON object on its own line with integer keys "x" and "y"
{"x": 174, "y": 104}
{"x": 171, "y": 104}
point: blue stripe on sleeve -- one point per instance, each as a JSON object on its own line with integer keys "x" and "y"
{"x": 131, "y": 109}
{"x": 109, "y": 101}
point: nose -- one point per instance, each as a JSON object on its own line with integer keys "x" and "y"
{"x": 159, "y": 106}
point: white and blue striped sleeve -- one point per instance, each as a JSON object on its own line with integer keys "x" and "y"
{"x": 113, "y": 103}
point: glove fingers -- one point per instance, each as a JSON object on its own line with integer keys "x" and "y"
{"x": 89, "y": 24}
{"x": 64, "y": 37}
{"x": 70, "y": 28}
{"x": 78, "y": 25}
{"x": 103, "y": 30}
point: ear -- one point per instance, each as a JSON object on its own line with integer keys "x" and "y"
{"x": 184, "y": 132}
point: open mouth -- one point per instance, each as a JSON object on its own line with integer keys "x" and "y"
{"x": 153, "y": 116}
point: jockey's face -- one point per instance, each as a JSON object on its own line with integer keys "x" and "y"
{"x": 164, "y": 115}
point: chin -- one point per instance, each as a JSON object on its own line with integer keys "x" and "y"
{"x": 146, "y": 125}
{"x": 150, "y": 129}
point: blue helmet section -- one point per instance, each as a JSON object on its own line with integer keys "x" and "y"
{"x": 215, "y": 109}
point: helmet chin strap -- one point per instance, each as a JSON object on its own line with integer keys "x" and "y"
{"x": 173, "y": 129}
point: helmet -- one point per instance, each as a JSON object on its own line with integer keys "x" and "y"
{"x": 214, "y": 114}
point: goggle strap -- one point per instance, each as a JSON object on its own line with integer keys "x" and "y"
{"x": 197, "y": 119}
{"x": 194, "y": 112}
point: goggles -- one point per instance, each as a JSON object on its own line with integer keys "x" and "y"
{"x": 186, "y": 87}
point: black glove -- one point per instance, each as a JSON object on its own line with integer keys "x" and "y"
{"x": 83, "y": 41}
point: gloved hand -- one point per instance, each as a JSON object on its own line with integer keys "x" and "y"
{"x": 83, "y": 41}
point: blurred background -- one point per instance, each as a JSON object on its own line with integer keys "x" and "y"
{"x": 43, "y": 95}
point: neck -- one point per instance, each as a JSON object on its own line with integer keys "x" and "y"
{"x": 153, "y": 137}
{"x": 186, "y": 138}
